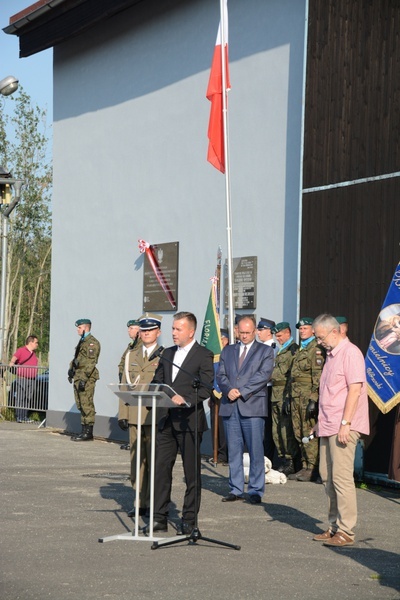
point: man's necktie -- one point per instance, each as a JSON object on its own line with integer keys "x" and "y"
{"x": 145, "y": 357}
{"x": 242, "y": 357}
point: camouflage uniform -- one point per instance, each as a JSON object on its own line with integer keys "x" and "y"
{"x": 305, "y": 375}
{"x": 86, "y": 371}
{"x": 282, "y": 430}
{"x": 138, "y": 370}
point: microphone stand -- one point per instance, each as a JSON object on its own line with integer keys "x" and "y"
{"x": 195, "y": 535}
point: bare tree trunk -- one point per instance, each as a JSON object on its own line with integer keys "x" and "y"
{"x": 37, "y": 288}
{"x": 17, "y": 314}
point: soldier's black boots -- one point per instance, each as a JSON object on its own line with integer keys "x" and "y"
{"x": 288, "y": 467}
{"x": 85, "y": 435}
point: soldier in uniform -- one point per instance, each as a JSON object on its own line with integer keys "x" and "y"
{"x": 282, "y": 429}
{"x": 83, "y": 374}
{"x": 266, "y": 337}
{"x": 134, "y": 334}
{"x": 139, "y": 367}
{"x": 344, "y": 326}
{"x": 306, "y": 373}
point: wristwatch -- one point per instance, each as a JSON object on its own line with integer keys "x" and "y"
{"x": 344, "y": 422}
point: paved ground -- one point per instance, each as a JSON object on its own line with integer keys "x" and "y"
{"x": 59, "y": 497}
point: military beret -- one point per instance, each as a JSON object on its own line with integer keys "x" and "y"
{"x": 304, "y": 321}
{"x": 83, "y": 322}
{"x": 149, "y": 321}
{"x": 224, "y": 333}
{"x": 280, "y": 326}
{"x": 341, "y": 320}
{"x": 265, "y": 323}
{"x": 237, "y": 318}
{"x": 132, "y": 323}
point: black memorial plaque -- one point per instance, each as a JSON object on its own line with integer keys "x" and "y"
{"x": 160, "y": 278}
{"x": 244, "y": 275}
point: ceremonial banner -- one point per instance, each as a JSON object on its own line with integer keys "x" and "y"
{"x": 211, "y": 335}
{"x": 216, "y": 153}
{"x": 383, "y": 357}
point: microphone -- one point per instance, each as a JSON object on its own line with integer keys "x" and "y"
{"x": 306, "y": 439}
{"x": 157, "y": 353}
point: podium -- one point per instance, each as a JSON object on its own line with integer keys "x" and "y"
{"x": 143, "y": 395}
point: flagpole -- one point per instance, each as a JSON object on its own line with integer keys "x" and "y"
{"x": 227, "y": 173}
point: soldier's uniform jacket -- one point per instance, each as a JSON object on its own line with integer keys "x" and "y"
{"x": 137, "y": 370}
{"x": 136, "y": 343}
{"x": 88, "y": 355}
{"x": 306, "y": 371}
{"x": 281, "y": 374}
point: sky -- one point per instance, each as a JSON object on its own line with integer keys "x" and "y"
{"x": 35, "y": 73}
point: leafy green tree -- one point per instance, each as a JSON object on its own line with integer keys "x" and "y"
{"x": 24, "y": 152}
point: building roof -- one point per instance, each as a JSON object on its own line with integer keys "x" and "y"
{"x": 46, "y": 23}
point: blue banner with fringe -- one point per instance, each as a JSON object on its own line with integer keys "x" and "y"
{"x": 383, "y": 356}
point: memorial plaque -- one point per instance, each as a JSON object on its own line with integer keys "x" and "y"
{"x": 244, "y": 275}
{"x": 160, "y": 278}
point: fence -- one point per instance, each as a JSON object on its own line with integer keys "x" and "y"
{"x": 24, "y": 393}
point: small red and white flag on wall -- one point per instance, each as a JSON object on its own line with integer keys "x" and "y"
{"x": 216, "y": 152}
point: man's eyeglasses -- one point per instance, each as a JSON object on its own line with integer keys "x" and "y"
{"x": 321, "y": 339}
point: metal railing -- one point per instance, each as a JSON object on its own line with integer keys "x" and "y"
{"x": 24, "y": 393}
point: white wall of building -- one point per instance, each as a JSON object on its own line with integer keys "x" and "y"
{"x": 130, "y": 144}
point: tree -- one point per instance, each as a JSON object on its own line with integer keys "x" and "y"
{"x": 24, "y": 149}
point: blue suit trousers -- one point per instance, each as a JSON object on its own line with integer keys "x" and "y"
{"x": 250, "y": 431}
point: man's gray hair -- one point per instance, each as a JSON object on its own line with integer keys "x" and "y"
{"x": 326, "y": 321}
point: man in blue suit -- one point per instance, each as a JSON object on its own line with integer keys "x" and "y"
{"x": 244, "y": 371}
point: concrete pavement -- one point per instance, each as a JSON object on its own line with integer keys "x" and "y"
{"x": 59, "y": 497}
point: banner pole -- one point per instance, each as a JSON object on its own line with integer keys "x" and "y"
{"x": 224, "y": 24}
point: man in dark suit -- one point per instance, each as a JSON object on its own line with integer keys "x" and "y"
{"x": 244, "y": 371}
{"x": 176, "y": 426}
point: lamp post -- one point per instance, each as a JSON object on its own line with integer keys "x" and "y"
{"x": 8, "y": 86}
{"x": 6, "y": 209}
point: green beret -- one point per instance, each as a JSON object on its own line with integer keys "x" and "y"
{"x": 83, "y": 322}
{"x": 132, "y": 322}
{"x": 280, "y": 326}
{"x": 304, "y": 321}
{"x": 341, "y": 320}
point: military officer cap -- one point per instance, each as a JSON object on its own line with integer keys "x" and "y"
{"x": 304, "y": 321}
{"x": 132, "y": 323}
{"x": 83, "y": 322}
{"x": 265, "y": 324}
{"x": 341, "y": 320}
{"x": 280, "y": 326}
{"x": 224, "y": 333}
{"x": 149, "y": 321}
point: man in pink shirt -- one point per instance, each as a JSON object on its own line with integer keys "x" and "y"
{"x": 342, "y": 418}
{"x": 26, "y": 376}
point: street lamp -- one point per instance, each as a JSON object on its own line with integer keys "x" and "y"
{"x": 8, "y": 85}
{"x": 6, "y": 209}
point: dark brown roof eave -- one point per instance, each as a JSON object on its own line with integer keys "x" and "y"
{"x": 53, "y": 21}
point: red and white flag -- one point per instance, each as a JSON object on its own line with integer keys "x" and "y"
{"x": 216, "y": 152}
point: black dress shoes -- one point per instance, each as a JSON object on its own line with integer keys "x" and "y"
{"x": 231, "y": 498}
{"x": 254, "y": 499}
{"x": 143, "y": 512}
{"x": 184, "y": 528}
{"x": 157, "y": 526}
